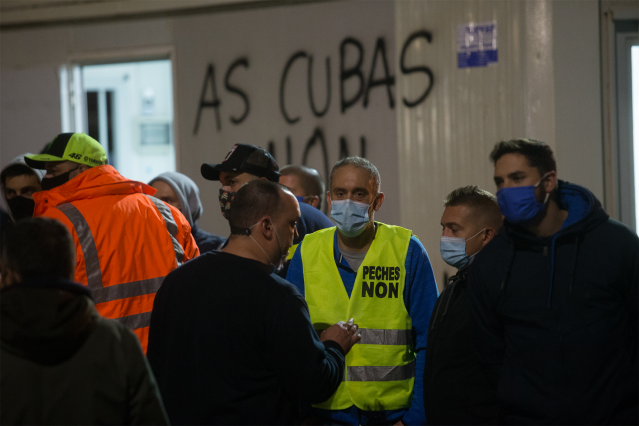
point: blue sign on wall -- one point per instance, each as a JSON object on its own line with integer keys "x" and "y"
{"x": 476, "y": 44}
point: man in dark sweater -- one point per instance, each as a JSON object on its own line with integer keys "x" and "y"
{"x": 230, "y": 341}
{"x": 554, "y": 298}
{"x": 456, "y": 390}
{"x": 62, "y": 363}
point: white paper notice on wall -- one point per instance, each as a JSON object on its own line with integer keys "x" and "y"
{"x": 476, "y": 44}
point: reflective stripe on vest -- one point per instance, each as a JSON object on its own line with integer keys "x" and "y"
{"x": 380, "y": 371}
{"x": 385, "y": 337}
{"x": 171, "y": 226}
{"x": 381, "y": 374}
{"x": 103, "y": 294}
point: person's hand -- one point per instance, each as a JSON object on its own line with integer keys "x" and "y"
{"x": 344, "y": 333}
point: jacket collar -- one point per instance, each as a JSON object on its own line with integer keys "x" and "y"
{"x": 93, "y": 183}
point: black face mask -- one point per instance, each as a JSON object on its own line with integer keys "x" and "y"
{"x": 54, "y": 182}
{"x": 226, "y": 197}
{"x": 21, "y": 207}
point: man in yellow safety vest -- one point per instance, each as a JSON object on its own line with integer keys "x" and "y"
{"x": 381, "y": 276}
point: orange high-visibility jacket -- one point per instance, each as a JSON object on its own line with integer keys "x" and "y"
{"x": 126, "y": 241}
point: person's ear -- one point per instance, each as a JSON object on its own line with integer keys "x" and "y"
{"x": 328, "y": 200}
{"x": 378, "y": 202}
{"x": 262, "y": 178}
{"x": 76, "y": 172}
{"x": 315, "y": 200}
{"x": 550, "y": 181}
{"x": 489, "y": 234}
{"x": 266, "y": 225}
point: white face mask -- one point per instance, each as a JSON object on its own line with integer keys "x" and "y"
{"x": 280, "y": 266}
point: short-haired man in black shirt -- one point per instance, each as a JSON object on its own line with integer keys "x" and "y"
{"x": 230, "y": 341}
{"x": 456, "y": 390}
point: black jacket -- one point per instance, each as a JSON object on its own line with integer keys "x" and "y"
{"x": 232, "y": 343}
{"x": 456, "y": 391}
{"x": 556, "y": 318}
{"x": 64, "y": 364}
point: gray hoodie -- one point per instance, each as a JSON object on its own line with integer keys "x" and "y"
{"x": 191, "y": 207}
{"x": 187, "y": 192}
{"x": 18, "y": 160}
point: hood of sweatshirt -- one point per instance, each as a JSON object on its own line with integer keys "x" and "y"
{"x": 584, "y": 213}
{"x": 18, "y": 160}
{"x": 93, "y": 183}
{"x": 46, "y": 319}
{"x": 187, "y": 192}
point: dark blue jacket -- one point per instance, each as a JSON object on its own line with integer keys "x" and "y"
{"x": 312, "y": 220}
{"x": 206, "y": 242}
{"x": 555, "y": 319}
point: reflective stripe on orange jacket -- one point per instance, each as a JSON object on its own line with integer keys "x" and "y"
{"x": 126, "y": 241}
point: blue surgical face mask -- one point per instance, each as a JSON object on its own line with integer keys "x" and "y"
{"x": 453, "y": 251}
{"x": 350, "y": 217}
{"x": 519, "y": 204}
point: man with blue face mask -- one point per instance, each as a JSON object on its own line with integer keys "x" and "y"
{"x": 381, "y": 276}
{"x": 455, "y": 389}
{"x": 554, "y": 298}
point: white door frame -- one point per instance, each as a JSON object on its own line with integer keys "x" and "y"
{"x": 72, "y": 101}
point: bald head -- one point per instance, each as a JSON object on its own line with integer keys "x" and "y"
{"x": 304, "y": 182}
{"x": 256, "y": 199}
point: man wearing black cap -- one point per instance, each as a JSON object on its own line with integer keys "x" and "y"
{"x": 245, "y": 163}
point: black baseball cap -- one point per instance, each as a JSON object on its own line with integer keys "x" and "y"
{"x": 244, "y": 159}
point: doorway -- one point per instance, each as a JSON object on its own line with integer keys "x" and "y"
{"x": 128, "y": 108}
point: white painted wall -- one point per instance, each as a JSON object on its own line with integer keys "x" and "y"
{"x": 446, "y": 141}
{"x": 30, "y": 61}
{"x": 268, "y": 38}
{"x": 577, "y": 100}
{"x": 545, "y": 85}
{"x": 30, "y": 112}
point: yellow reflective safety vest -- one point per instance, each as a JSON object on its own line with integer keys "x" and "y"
{"x": 380, "y": 369}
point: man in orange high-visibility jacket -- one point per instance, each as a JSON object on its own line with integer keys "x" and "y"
{"x": 126, "y": 240}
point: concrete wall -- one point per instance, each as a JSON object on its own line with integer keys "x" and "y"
{"x": 578, "y": 127}
{"x": 545, "y": 85}
{"x": 447, "y": 140}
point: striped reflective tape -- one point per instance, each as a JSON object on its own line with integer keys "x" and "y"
{"x": 91, "y": 259}
{"x": 171, "y": 226}
{"x": 136, "y": 321}
{"x": 371, "y": 336}
{"x": 103, "y": 294}
{"x": 381, "y": 374}
{"x": 124, "y": 290}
